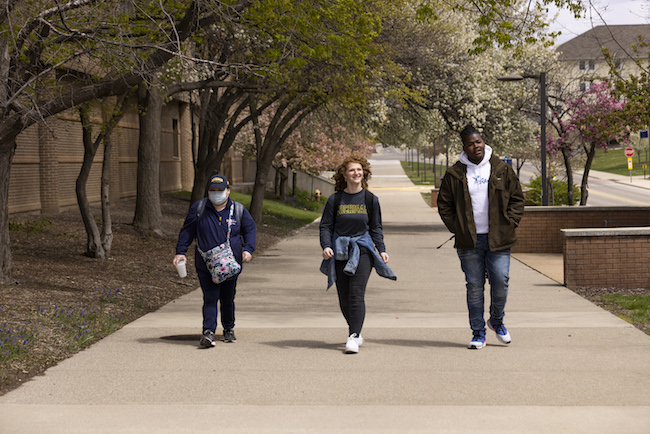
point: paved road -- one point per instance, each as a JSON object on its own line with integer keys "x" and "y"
{"x": 606, "y": 189}
{"x": 571, "y": 368}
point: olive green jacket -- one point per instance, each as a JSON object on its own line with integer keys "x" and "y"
{"x": 505, "y": 206}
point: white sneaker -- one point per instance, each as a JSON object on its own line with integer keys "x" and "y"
{"x": 352, "y": 346}
{"x": 359, "y": 340}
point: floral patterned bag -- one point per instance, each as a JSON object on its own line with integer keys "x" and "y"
{"x": 220, "y": 260}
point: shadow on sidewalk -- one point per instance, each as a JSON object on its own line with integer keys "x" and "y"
{"x": 402, "y": 229}
{"x": 418, "y": 343}
{"x": 299, "y": 343}
{"x": 190, "y": 339}
{"x": 392, "y": 342}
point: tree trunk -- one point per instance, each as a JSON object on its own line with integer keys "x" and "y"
{"x": 7, "y": 150}
{"x": 569, "y": 175}
{"x": 110, "y": 124}
{"x": 259, "y": 187}
{"x": 520, "y": 164}
{"x": 97, "y": 246}
{"x": 584, "y": 188}
{"x": 94, "y": 247}
{"x": 283, "y": 183}
{"x": 219, "y": 125}
{"x": 148, "y": 215}
{"x": 6, "y": 262}
{"x": 280, "y": 128}
{"x": 107, "y": 226}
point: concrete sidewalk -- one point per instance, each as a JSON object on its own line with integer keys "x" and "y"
{"x": 571, "y": 368}
{"x": 636, "y": 181}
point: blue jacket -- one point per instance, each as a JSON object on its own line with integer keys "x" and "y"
{"x": 347, "y": 248}
{"x": 210, "y": 231}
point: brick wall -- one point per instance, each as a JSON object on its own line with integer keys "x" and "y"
{"x": 540, "y": 228}
{"x": 49, "y": 156}
{"x": 434, "y": 197}
{"x": 618, "y": 258}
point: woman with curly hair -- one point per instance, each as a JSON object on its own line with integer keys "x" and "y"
{"x": 351, "y": 236}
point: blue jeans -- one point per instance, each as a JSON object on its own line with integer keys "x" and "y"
{"x": 477, "y": 264}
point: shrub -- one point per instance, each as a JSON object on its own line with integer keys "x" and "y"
{"x": 557, "y": 193}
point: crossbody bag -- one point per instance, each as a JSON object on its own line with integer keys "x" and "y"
{"x": 220, "y": 260}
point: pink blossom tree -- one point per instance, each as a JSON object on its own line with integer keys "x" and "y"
{"x": 317, "y": 147}
{"x": 593, "y": 120}
{"x": 319, "y": 144}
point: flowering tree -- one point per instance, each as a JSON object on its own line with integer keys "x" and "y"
{"x": 315, "y": 146}
{"x": 595, "y": 120}
{"x": 635, "y": 87}
{"x": 440, "y": 72}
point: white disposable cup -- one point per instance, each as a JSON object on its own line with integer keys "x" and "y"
{"x": 182, "y": 270}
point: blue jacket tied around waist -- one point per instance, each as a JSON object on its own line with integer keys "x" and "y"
{"x": 347, "y": 248}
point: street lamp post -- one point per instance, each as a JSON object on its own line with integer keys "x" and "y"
{"x": 542, "y": 123}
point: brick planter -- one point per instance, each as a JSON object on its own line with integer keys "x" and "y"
{"x": 618, "y": 258}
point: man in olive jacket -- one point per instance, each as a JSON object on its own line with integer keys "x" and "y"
{"x": 481, "y": 203}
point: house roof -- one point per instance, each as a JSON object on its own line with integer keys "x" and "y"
{"x": 617, "y": 39}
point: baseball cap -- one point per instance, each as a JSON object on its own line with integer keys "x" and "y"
{"x": 218, "y": 181}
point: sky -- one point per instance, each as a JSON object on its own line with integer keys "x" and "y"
{"x": 611, "y": 11}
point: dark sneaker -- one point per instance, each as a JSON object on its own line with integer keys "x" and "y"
{"x": 229, "y": 335}
{"x": 478, "y": 341}
{"x": 207, "y": 340}
{"x": 500, "y": 330}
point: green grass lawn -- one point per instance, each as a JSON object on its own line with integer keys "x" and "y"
{"x": 297, "y": 212}
{"x": 425, "y": 175}
{"x": 636, "y": 307}
{"x": 290, "y": 215}
{"x": 615, "y": 162}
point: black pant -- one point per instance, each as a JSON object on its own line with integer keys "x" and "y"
{"x": 352, "y": 291}
{"x": 223, "y": 292}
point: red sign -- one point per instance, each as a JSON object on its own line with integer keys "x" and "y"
{"x": 629, "y": 152}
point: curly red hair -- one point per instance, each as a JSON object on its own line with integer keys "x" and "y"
{"x": 339, "y": 177}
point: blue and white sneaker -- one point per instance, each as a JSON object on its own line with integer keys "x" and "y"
{"x": 500, "y": 330}
{"x": 478, "y": 341}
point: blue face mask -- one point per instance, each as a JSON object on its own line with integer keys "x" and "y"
{"x": 218, "y": 197}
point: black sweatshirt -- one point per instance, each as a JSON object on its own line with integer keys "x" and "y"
{"x": 352, "y": 220}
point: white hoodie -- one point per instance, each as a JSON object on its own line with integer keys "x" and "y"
{"x": 477, "y": 182}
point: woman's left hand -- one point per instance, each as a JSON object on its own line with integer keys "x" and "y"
{"x": 384, "y": 256}
{"x": 246, "y": 256}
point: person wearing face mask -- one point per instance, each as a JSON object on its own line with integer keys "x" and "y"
{"x": 208, "y": 222}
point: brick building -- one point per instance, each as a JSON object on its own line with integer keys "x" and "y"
{"x": 49, "y": 156}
